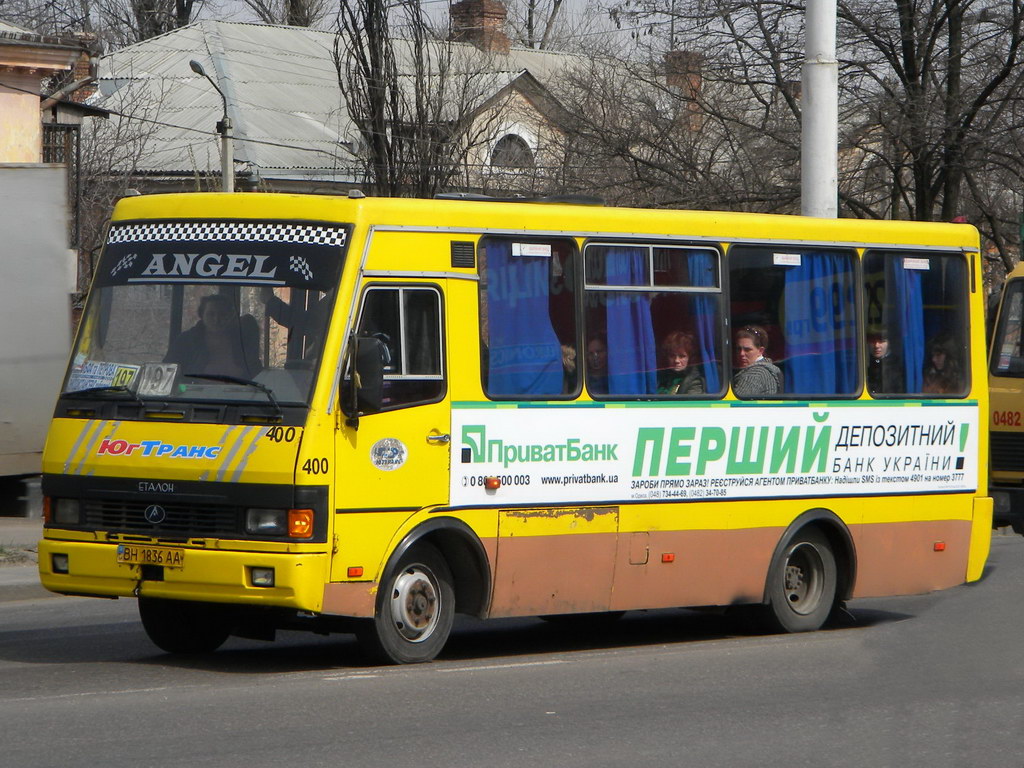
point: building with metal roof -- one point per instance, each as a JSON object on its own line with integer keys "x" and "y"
{"x": 291, "y": 125}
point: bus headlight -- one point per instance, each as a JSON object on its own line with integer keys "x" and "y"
{"x": 266, "y": 522}
{"x": 291, "y": 523}
{"x": 66, "y": 511}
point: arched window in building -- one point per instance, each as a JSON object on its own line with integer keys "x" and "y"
{"x": 511, "y": 151}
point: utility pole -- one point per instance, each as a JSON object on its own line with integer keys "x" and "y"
{"x": 819, "y": 141}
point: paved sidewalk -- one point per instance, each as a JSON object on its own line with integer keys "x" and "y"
{"x": 19, "y": 575}
{"x": 20, "y": 532}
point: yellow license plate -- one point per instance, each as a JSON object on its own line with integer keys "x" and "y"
{"x": 130, "y": 554}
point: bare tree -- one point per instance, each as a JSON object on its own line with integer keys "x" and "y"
{"x": 930, "y": 121}
{"x": 710, "y": 123}
{"x": 123, "y": 22}
{"x": 113, "y": 151}
{"x": 114, "y": 22}
{"x": 419, "y": 102}
{"x": 49, "y": 17}
{"x": 294, "y": 13}
{"x": 935, "y": 84}
{"x": 536, "y": 23}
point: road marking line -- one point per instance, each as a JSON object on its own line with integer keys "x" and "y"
{"x": 355, "y": 676}
{"x": 510, "y": 665}
{"x": 90, "y": 693}
{"x": 439, "y": 670}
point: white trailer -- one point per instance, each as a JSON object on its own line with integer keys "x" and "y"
{"x": 37, "y": 274}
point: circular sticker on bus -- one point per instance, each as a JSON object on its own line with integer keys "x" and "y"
{"x": 388, "y": 454}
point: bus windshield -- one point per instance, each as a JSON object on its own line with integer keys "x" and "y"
{"x": 229, "y": 312}
{"x": 1007, "y": 353}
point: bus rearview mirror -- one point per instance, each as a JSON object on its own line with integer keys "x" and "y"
{"x": 366, "y": 394}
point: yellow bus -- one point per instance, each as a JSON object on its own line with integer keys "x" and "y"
{"x": 1006, "y": 392}
{"x": 364, "y": 415}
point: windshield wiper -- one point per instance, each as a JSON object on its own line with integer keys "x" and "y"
{"x": 103, "y": 390}
{"x": 239, "y": 380}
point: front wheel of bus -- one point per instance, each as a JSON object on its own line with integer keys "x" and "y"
{"x": 802, "y": 584}
{"x": 414, "y": 613}
{"x": 177, "y": 626}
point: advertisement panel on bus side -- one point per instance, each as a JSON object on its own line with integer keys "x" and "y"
{"x": 567, "y": 454}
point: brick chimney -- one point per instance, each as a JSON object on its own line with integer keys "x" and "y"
{"x": 85, "y": 68}
{"x": 683, "y": 74}
{"x": 79, "y": 82}
{"x": 683, "y": 71}
{"x": 482, "y": 23}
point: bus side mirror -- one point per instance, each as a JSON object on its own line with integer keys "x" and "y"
{"x": 365, "y": 394}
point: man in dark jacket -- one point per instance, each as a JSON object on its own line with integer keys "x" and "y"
{"x": 885, "y": 368}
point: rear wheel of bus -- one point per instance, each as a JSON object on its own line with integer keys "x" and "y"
{"x": 178, "y": 626}
{"x": 802, "y": 584}
{"x": 415, "y": 610}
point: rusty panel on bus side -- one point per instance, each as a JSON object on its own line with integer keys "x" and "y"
{"x": 554, "y": 560}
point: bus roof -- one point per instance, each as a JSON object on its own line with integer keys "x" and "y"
{"x": 549, "y": 218}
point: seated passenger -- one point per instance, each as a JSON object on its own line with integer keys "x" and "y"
{"x": 568, "y": 368}
{"x": 679, "y": 376}
{"x": 597, "y": 365}
{"x": 221, "y": 343}
{"x": 756, "y": 375}
{"x": 885, "y": 368}
{"x": 942, "y": 374}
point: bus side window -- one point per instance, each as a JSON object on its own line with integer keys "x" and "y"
{"x": 653, "y": 320}
{"x": 407, "y": 319}
{"x": 528, "y": 344}
{"x": 916, "y": 323}
{"x": 804, "y": 301}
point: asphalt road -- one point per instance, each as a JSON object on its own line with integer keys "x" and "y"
{"x": 931, "y": 680}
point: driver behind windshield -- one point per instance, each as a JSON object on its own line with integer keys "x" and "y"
{"x": 221, "y": 343}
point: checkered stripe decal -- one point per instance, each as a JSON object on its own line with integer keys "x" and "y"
{"x": 300, "y": 265}
{"x": 125, "y": 263}
{"x": 233, "y": 231}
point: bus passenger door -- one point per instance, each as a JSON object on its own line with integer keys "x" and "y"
{"x": 397, "y": 461}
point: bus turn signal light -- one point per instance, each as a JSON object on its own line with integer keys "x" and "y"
{"x": 940, "y": 546}
{"x": 300, "y": 523}
{"x": 492, "y": 483}
{"x": 668, "y": 557}
{"x": 355, "y": 571}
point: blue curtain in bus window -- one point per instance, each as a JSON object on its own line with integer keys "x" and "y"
{"x": 524, "y": 355}
{"x": 909, "y": 320}
{"x": 632, "y": 355}
{"x": 934, "y": 308}
{"x": 820, "y": 325}
{"x": 939, "y": 314}
{"x": 701, "y": 266}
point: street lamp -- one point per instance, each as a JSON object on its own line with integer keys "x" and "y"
{"x": 227, "y": 160}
